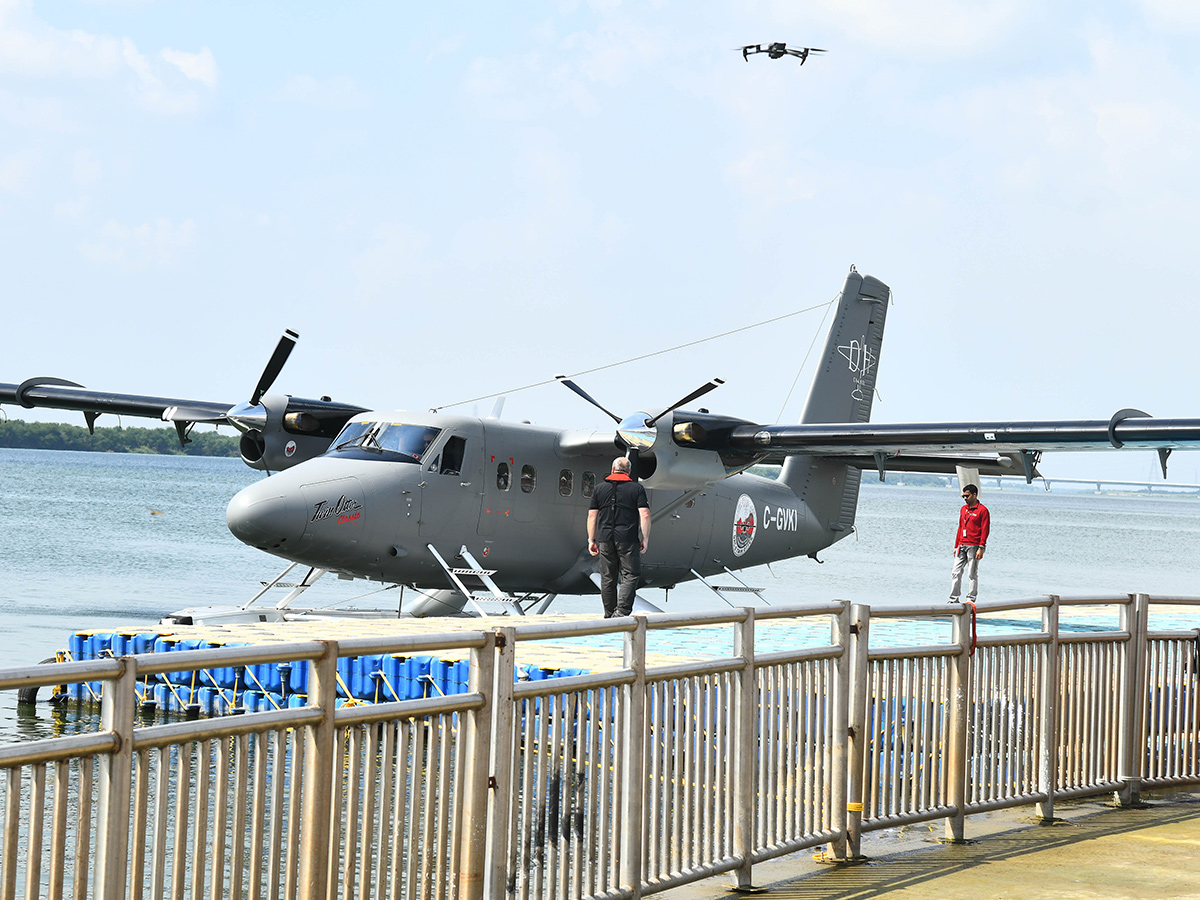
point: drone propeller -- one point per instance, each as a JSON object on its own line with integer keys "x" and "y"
{"x": 274, "y": 365}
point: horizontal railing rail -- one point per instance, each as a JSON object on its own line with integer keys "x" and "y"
{"x": 767, "y": 738}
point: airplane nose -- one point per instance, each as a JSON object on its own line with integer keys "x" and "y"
{"x": 264, "y": 517}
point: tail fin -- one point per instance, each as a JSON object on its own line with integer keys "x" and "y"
{"x": 842, "y": 391}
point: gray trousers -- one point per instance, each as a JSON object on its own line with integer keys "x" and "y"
{"x": 964, "y": 559}
{"x": 620, "y": 568}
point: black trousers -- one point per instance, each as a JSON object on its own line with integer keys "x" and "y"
{"x": 620, "y": 568}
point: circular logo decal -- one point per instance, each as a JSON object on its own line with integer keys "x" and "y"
{"x": 290, "y": 448}
{"x": 745, "y": 520}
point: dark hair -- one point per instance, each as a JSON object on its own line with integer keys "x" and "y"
{"x": 971, "y": 489}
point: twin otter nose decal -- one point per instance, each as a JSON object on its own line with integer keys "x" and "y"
{"x": 336, "y": 510}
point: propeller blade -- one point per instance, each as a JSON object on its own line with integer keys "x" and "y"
{"x": 632, "y": 455}
{"x": 699, "y": 392}
{"x": 567, "y": 382}
{"x": 274, "y": 365}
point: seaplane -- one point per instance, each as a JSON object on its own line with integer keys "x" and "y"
{"x": 482, "y": 516}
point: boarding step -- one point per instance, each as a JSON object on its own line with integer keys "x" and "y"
{"x": 722, "y": 589}
{"x": 474, "y": 570}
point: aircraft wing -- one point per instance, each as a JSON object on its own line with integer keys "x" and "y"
{"x": 930, "y": 463}
{"x": 1122, "y": 430}
{"x": 56, "y": 393}
{"x": 277, "y": 431}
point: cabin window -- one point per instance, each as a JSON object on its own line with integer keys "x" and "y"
{"x": 452, "y": 456}
{"x": 588, "y": 487}
{"x": 566, "y": 482}
{"x": 528, "y": 479}
{"x": 502, "y": 476}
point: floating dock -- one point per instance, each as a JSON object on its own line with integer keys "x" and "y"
{"x": 372, "y": 678}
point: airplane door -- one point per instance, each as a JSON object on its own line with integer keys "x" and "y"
{"x": 450, "y": 485}
{"x": 496, "y": 505}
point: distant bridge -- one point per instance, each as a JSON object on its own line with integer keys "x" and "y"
{"x": 1162, "y": 486}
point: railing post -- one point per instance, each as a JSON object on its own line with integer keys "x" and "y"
{"x": 318, "y": 777}
{"x": 477, "y": 754}
{"x": 633, "y": 763}
{"x": 857, "y": 646}
{"x": 116, "y": 769}
{"x": 503, "y": 723}
{"x": 745, "y": 751}
{"x": 956, "y": 744}
{"x": 1048, "y": 747}
{"x": 1135, "y": 622}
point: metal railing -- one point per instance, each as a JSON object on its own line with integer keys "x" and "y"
{"x": 611, "y": 784}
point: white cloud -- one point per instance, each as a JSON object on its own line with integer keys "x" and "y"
{"x": 72, "y": 210}
{"x": 201, "y": 67}
{"x": 135, "y": 247}
{"x": 1119, "y": 124}
{"x": 947, "y": 27}
{"x": 40, "y": 113}
{"x": 16, "y": 170}
{"x": 30, "y": 47}
{"x": 565, "y": 71}
{"x": 340, "y": 92}
{"x": 85, "y": 168}
{"x": 766, "y": 175}
{"x": 1172, "y": 14}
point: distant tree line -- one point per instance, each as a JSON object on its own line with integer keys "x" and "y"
{"x": 21, "y": 435}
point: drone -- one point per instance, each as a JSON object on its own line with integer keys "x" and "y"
{"x": 778, "y": 50}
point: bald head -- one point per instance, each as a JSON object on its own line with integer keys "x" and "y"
{"x": 621, "y": 465}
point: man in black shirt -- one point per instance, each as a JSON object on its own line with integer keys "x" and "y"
{"x": 619, "y": 507}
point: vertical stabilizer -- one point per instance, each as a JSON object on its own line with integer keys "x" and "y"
{"x": 842, "y": 391}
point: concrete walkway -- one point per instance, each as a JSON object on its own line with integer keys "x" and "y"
{"x": 1093, "y": 850}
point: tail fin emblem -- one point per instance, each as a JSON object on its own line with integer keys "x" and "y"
{"x": 861, "y": 361}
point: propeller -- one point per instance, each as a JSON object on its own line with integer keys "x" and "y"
{"x": 694, "y": 395}
{"x": 251, "y": 418}
{"x": 637, "y": 432}
{"x": 274, "y": 365}
{"x": 568, "y": 383}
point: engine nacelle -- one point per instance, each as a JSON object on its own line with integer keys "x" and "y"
{"x": 687, "y": 450}
{"x": 281, "y": 431}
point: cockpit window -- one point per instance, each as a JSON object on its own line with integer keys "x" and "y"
{"x": 393, "y": 440}
{"x": 408, "y": 440}
{"x": 352, "y": 431}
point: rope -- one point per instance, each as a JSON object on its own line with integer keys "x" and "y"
{"x": 351, "y": 700}
{"x": 812, "y": 343}
{"x": 383, "y": 677}
{"x": 267, "y": 693}
{"x": 634, "y": 359}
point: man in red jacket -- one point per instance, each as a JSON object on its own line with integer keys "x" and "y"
{"x": 974, "y": 523}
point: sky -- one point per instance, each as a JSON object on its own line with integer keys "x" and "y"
{"x": 449, "y": 201}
